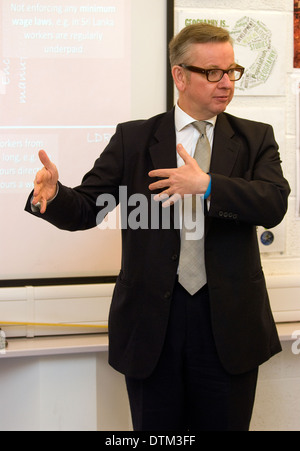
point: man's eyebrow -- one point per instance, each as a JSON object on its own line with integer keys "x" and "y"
{"x": 213, "y": 66}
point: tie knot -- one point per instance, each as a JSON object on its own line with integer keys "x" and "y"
{"x": 201, "y": 127}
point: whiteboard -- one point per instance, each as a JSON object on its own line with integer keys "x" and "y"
{"x": 70, "y": 71}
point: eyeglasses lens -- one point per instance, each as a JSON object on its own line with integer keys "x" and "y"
{"x": 217, "y": 75}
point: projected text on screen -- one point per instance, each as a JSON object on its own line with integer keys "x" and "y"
{"x": 64, "y": 68}
{"x": 44, "y": 30}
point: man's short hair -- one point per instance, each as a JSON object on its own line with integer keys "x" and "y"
{"x": 201, "y": 33}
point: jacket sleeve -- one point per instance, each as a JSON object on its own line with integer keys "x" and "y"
{"x": 76, "y": 208}
{"x": 256, "y": 192}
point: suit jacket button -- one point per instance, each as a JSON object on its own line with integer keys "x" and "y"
{"x": 167, "y": 295}
{"x": 174, "y": 257}
{"x": 221, "y": 214}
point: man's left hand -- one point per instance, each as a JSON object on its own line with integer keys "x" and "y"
{"x": 178, "y": 182}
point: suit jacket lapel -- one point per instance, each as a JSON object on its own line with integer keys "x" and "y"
{"x": 224, "y": 153}
{"x": 225, "y": 147}
{"x": 163, "y": 151}
{"x": 163, "y": 148}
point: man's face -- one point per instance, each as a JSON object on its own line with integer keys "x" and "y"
{"x": 198, "y": 97}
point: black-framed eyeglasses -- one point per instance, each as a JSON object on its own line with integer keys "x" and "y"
{"x": 215, "y": 75}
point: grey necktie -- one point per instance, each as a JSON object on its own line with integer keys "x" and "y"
{"x": 192, "y": 272}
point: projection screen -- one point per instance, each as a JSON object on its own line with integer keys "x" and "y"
{"x": 70, "y": 72}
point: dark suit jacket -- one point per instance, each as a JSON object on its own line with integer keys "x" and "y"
{"x": 248, "y": 189}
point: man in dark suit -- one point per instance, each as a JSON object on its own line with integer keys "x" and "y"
{"x": 190, "y": 357}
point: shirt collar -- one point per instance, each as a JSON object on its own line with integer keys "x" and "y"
{"x": 182, "y": 119}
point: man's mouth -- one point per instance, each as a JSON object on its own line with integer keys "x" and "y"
{"x": 222, "y": 98}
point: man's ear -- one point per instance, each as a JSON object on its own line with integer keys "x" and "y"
{"x": 179, "y": 77}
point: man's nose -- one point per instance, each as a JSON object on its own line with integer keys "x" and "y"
{"x": 225, "y": 82}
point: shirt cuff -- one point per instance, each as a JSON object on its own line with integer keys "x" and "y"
{"x": 36, "y": 208}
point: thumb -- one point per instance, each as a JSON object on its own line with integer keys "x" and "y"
{"x": 183, "y": 153}
{"x": 45, "y": 160}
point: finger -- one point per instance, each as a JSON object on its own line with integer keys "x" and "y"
{"x": 183, "y": 153}
{"x": 161, "y": 197}
{"x": 166, "y": 199}
{"x": 161, "y": 173}
{"x": 36, "y": 192}
{"x": 45, "y": 160}
{"x": 40, "y": 176}
{"x": 37, "y": 195}
{"x": 43, "y": 207}
{"x": 171, "y": 200}
{"x": 37, "y": 183}
{"x": 159, "y": 185}
{"x": 35, "y": 200}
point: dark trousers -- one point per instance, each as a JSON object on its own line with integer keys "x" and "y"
{"x": 189, "y": 389}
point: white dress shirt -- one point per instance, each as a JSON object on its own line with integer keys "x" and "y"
{"x": 187, "y": 134}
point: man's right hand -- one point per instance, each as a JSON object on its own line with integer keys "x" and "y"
{"x": 45, "y": 183}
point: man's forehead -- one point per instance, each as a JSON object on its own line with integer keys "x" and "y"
{"x": 212, "y": 52}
